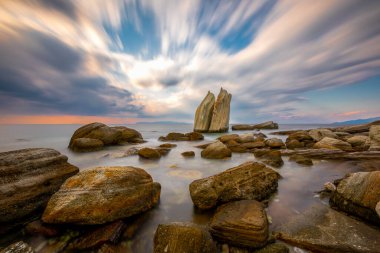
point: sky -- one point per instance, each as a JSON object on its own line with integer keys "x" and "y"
{"x": 127, "y": 61}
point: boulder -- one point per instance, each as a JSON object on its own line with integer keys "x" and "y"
{"x": 241, "y": 223}
{"x": 168, "y": 145}
{"x": 274, "y": 143}
{"x": 320, "y": 133}
{"x": 254, "y": 145}
{"x": 93, "y": 136}
{"x": 183, "y": 237}
{"x": 321, "y": 229}
{"x": 269, "y": 157}
{"x": 293, "y": 144}
{"x": 329, "y": 187}
{"x": 245, "y": 138}
{"x": 359, "y": 143}
{"x": 221, "y": 113}
{"x": 203, "y": 115}
{"x": 149, "y": 153}
{"x": 28, "y": 177}
{"x": 250, "y": 180}
{"x": 357, "y": 194}
{"x": 188, "y": 154}
{"x": 18, "y": 247}
{"x": 103, "y": 194}
{"x": 300, "y": 159}
{"x": 216, "y": 150}
{"x": 374, "y": 135}
{"x": 228, "y": 137}
{"x": 331, "y": 143}
{"x": 192, "y": 136}
{"x": 302, "y": 137}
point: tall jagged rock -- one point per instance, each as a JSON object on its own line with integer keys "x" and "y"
{"x": 203, "y": 114}
{"x": 221, "y": 113}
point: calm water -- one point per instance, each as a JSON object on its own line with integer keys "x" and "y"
{"x": 296, "y": 190}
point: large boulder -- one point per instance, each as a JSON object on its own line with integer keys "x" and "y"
{"x": 216, "y": 150}
{"x": 94, "y": 136}
{"x": 241, "y": 223}
{"x": 250, "y": 180}
{"x": 331, "y": 143}
{"x": 203, "y": 115}
{"x": 320, "y": 133}
{"x": 28, "y": 177}
{"x": 357, "y": 194}
{"x": 183, "y": 237}
{"x": 103, "y": 194}
{"x": 359, "y": 143}
{"x": 374, "y": 135}
{"x": 321, "y": 229}
{"x": 221, "y": 113}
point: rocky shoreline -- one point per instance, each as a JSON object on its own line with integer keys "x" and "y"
{"x": 93, "y": 210}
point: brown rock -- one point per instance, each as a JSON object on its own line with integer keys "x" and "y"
{"x": 182, "y": 237}
{"x": 274, "y": 143}
{"x": 149, "y": 153}
{"x": 18, "y": 247}
{"x": 264, "y": 125}
{"x": 228, "y": 137}
{"x": 168, "y": 145}
{"x": 216, "y": 150}
{"x": 374, "y": 135}
{"x": 163, "y": 151}
{"x": 358, "y": 194}
{"x": 193, "y": 136}
{"x": 246, "y": 138}
{"x": 87, "y": 145}
{"x": 204, "y": 145}
{"x": 203, "y": 115}
{"x": 39, "y": 228}
{"x": 28, "y": 177}
{"x": 249, "y": 180}
{"x": 293, "y": 144}
{"x": 101, "y": 195}
{"x": 188, "y": 154}
{"x": 241, "y": 223}
{"x": 359, "y": 143}
{"x": 301, "y": 136}
{"x": 330, "y": 143}
{"x": 356, "y": 128}
{"x": 300, "y": 159}
{"x": 221, "y": 113}
{"x": 253, "y": 145}
{"x": 320, "y": 133}
{"x": 269, "y": 157}
{"x": 333, "y": 154}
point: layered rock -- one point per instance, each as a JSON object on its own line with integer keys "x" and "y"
{"x": 94, "y": 136}
{"x": 103, "y": 194}
{"x": 374, "y": 135}
{"x": 358, "y": 194}
{"x": 264, "y": 125}
{"x": 216, "y": 150}
{"x": 213, "y": 116}
{"x": 320, "y": 133}
{"x": 331, "y": 143}
{"x": 203, "y": 115}
{"x": 241, "y": 223}
{"x": 321, "y": 229}
{"x": 333, "y": 154}
{"x": 249, "y": 180}
{"x": 183, "y": 237}
{"x": 359, "y": 143}
{"x": 192, "y": 136}
{"x": 28, "y": 177}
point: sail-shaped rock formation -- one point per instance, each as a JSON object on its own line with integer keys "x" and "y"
{"x": 213, "y": 116}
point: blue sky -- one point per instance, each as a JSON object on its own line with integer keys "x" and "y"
{"x": 140, "y": 60}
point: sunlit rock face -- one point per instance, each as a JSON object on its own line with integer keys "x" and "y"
{"x": 211, "y": 115}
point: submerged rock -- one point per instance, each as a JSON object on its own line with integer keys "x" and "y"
{"x": 331, "y": 143}
{"x": 374, "y": 135}
{"x": 269, "y": 157}
{"x": 203, "y": 115}
{"x": 241, "y": 223}
{"x": 183, "y": 237}
{"x": 357, "y": 194}
{"x": 28, "y": 177}
{"x": 216, "y": 150}
{"x": 188, "y": 154}
{"x": 168, "y": 145}
{"x": 250, "y": 180}
{"x": 300, "y": 159}
{"x": 321, "y": 229}
{"x": 149, "y": 153}
{"x": 103, "y": 194}
{"x": 18, "y": 247}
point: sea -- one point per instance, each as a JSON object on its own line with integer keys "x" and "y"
{"x": 298, "y": 187}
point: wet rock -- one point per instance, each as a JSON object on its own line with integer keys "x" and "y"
{"x": 18, "y": 247}
{"x": 149, "y": 153}
{"x": 101, "y": 195}
{"x": 228, "y": 137}
{"x": 374, "y": 135}
{"x": 246, "y": 138}
{"x": 249, "y": 180}
{"x": 93, "y": 239}
{"x": 39, "y": 228}
{"x": 221, "y": 113}
{"x": 321, "y": 229}
{"x": 331, "y": 143}
{"x": 168, "y": 145}
{"x": 182, "y": 237}
{"x": 203, "y": 115}
{"x": 320, "y": 133}
{"x": 359, "y": 143}
{"x": 269, "y": 157}
{"x": 28, "y": 177}
{"x": 241, "y": 223}
{"x": 163, "y": 151}
{"x": 293, "y": 144}
{"x": 188, "y": 154}
{"x": 274, "y": 143}
{"x": 91, "y": 136}
{"x": 329, "y": 187}
{"x": 216, "y": 150}
{"x": 358, "y": 194}
{"x": 302, "y": 137}
{"x": 300, "y": 159}
{"x": 192, "y": 136}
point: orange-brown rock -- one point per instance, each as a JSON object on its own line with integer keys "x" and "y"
{"x": 331, "y": 143}
{"x": 216, "y": 150}
{"x": 192, "y": 136}
{"x": 149, "y": 153}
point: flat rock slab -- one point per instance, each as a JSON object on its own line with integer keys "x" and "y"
{"x": 241, "y": 223}
{"x": 322, "y": 229}
{"x": 28, "y": 177}
{"x": 329, "y": 154}
{"x": 101, "y": 195}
